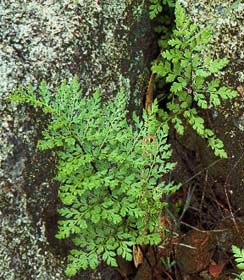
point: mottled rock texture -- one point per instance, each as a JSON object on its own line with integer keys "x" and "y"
{"x": 108, "y": 45}
{"x": 224, "y": 180}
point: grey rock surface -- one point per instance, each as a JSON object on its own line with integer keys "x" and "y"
{"x": 108, "y": 45}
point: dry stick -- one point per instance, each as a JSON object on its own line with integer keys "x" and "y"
{"x": 149, "y": 93}
{"x": 197, "y": 229}
{"x": 203, "y": 194}
{"x": 170, "y": 277}
{"x": 198, "y": 173}
{"x": 226, "y": 193}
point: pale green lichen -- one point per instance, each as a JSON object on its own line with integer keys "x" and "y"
{"x": 20, "y": 253}
{"x": 34, "y": 36}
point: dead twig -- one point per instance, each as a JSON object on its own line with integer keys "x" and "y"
{"x": 149, "y": 93}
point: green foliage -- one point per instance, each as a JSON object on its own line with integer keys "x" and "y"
{"x": 164, "y": 24}
{"x": 156, "y": 7}
{"x": 239, "y": 258}
{"x": 109, "y": 172}
{"x": 191, "y": 79}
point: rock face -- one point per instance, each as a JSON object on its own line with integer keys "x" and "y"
{"x": 196, "y": 258}
{"x": 108, "y": 45}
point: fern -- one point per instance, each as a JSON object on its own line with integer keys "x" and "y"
{"x": 109, "y": 172}
{"x": 239, "y": 258}
{"x": 190, "y": 77}
{"x": 156, "y": 7}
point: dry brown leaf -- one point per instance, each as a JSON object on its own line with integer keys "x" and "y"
{"x": 216, "y": 269}
{"x": 240, "y": 89}
{"x": 149, "y": 93}
{"x": 137, "y": 255}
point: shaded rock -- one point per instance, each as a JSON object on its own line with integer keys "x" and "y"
{"x": 230, "y": 233}
{"x": 194, "y": 252}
